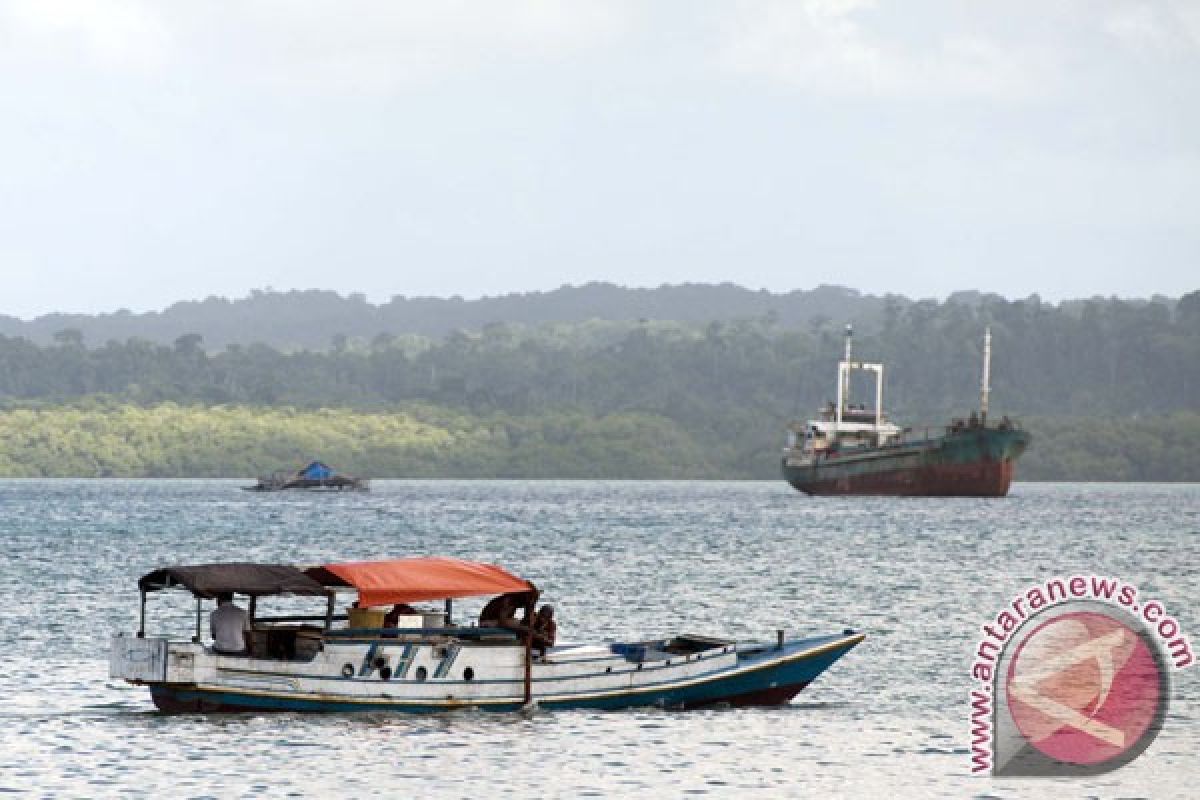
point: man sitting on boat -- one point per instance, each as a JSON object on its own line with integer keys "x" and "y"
{"x": 501, "y": 612}
{"x": 229, "y": 624}
{"x": 544, "y": 629}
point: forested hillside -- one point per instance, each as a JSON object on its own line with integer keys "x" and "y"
{"x": 1108, "y": 387}
{"x": 312, "y": 319}
{"x": 418, "y": 442}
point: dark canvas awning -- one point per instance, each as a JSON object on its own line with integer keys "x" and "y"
{"x": 208, "y": 580}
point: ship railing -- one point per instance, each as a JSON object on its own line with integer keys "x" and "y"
{"x": 910, "y": 437}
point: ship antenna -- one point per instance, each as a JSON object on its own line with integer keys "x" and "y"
{"x": 984, "y": 388}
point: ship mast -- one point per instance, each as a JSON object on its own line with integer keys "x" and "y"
{"x": 984, "y": 388}
{"x": 845, "y": 376}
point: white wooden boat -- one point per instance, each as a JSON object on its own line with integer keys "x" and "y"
{"x": 426, "y": 664}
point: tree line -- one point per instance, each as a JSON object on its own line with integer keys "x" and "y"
{"x": 308, "y": 319}
{"x": 106, "y": 439}
{"x": 1107, "y": 386}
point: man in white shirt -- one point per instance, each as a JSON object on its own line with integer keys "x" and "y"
{"x": 229, "y": 624}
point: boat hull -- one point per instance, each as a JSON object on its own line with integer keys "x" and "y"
{"x": 173, "y": 700}
{"x": 976, "y": 462}
{"x": 338, "y": 484}
{"x": 757, "y": 676}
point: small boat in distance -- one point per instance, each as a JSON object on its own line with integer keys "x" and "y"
{"x": 422, "y": 662}
{"x": 314, "y": 476}
{"x": 854, "y": 450}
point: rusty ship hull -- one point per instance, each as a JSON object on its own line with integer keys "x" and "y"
{"x": 974, "y": 462}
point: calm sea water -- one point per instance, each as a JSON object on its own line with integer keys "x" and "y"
{"x": 617, "y": 560}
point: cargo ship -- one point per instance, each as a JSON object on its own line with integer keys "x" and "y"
{"x": 854, "y": 450}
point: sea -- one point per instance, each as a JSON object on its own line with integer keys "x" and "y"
{"x": 618, "y": 560}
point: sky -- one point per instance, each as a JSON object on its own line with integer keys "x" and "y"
{"x": 152, "y": 152}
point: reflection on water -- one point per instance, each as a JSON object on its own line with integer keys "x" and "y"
{"x": 617, "y": 560}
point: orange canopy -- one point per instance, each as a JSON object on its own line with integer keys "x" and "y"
{"x": 410, "y": 580}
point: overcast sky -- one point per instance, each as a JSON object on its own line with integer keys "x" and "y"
{"x": 159, "y": 151}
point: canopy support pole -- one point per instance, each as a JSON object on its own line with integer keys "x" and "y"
{"x": 253, "y": 608}
{"x": 142, "y": 617}
{"x": 529, "y": 648}
{"x": 196, "y": 638}
{"x": 449, "y": 621}
{"x": 329, "y": 611}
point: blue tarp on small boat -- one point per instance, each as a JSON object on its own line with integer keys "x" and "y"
{"x": 316, "y": 471}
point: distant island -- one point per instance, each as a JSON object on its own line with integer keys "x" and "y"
{"x": 595, "y": 381}
{"x": 313, "y": 319}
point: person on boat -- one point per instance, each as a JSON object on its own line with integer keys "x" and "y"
{"x": 229, "y": 624}
{"x": 544, "y": 629}
{"x": 501, "y": 612}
